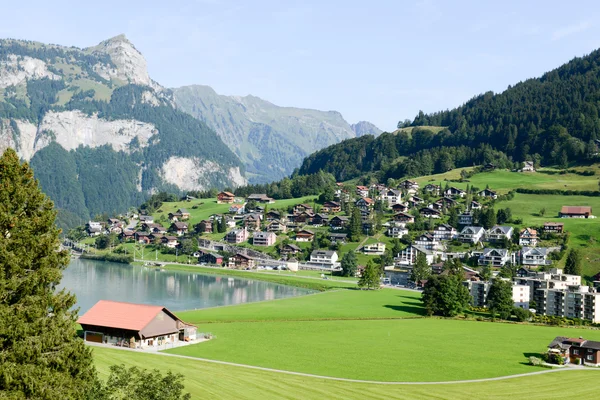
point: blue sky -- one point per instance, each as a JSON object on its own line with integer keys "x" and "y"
{"x": 380, "y": 61}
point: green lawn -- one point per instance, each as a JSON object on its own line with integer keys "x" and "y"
{"x": 342, "y": 304}
{"x": 208, "y": 380}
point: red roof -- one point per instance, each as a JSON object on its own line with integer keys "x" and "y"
{"x": 115, "y": 314}
{"x": 576, "y": 210}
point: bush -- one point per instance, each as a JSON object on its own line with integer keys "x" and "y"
{"x": 535, "y": 361}
{"x": 522, "y": 314}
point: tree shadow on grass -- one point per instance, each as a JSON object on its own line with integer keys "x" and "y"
{"x": 411, "y": 309}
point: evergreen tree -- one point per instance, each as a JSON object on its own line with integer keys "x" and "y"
{"x": 421, "y": 270}
{"x": 485, "y": 272}
{"x": 355, "y": 225}
{"x": 573, "y": 263}
{"x": 453, "y": 217}
{"x": 40, "y": 353}
{"x": 215, "y": 226}
{"x": 222, "y": 228}
{"x": 489, "y": 218}
{"x": 445, "y": 295}
{"x": 349, "y": 263}
{"x": 369, "y": 277}
{"x": 500, "y": 300}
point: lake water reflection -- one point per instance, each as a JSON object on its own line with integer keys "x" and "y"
{"x": 177, "y": 290}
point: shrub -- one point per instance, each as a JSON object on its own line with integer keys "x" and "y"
{"x": 535, "y": 361}
{"x": 522, "y": 314}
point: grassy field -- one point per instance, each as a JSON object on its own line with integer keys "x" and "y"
{"x": 207, "y": 380}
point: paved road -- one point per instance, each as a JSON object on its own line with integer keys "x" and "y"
{"x": 281, "y": 371}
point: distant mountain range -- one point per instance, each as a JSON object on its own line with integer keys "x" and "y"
{"x": 270, "y": 140}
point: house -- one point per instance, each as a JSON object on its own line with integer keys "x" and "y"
{"x": 94, "y": 228}
{"x": 290, "y": 249}
{"x": 252, "y": 221}
{"x": 528, "y": 237}
{"x": 170, "y": 241}
{"x": 487, "y": 193}
{"x": 397, "y": 231}
{"x": 210, "y": 258}
{"x": 475, "y": 205}
{"x": 153, "y": 228}
{"x": 304, "y": 236}
{"x": 432, "y": 189}
{"x": 237, "y": 236}
{"x": 427, "y": 241}
{"x": 499, "y": 233}
{"x": 303, "y": 218}
{"x": 237, "y": 209}
{"x": 471, "y": 234}
{"x": 409, "y": 186}
{"x": 489, "y": 167}
{"x": 465, "y": 218}
{"x": 534, "y": 256}
{"x": 147, "y": 218}
{"x": 142, "y": 237}
{"x": 447, "y": 202}
{"x": 365, "y": 204}
{"x": 528, "y": 167}
{"x": 273, "y": 215}
{"x": 400, "y": 207}
{"x": 127, "y": 236}
{"x": 374, "y": 248}
{"x": 320, "y": 220}
{"x": 114, "y": 223}
{"x": 338, "y": 222}
{"x": 264, "y": 239}
{"x": 575, "y": 350}
{"x": 455, "y": 192}
{"x": 136, "y": 326}
{"x": 242, "y": 261}
{"x": 180, "y": 215}
{"x": 276, "y": 226}
{"x": 303, "y": 208}
{"x": 427, "y": 212}
{"x": 338, "y": 237}
{"x": 392, "y": 196}
{"x": 444, "y": 232}
{"x": 554, "y": 227}
{"x": 495, "y": 257}
{"x": 324, "y": 259}
{"x": 260, "y": 198}
{"x": 205, "y": 226}
{"x": 575, "y": 212}
{"x": 331, "y": 207}
{"x": 404, "y": 218}
{"x": 225, "y": 198}
{"x": 408, "y": 256}
{"x": 180, "y": 228}
{"x": 362, "y": 191}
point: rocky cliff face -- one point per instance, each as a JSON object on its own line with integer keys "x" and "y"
{"x": 271, "y": 140}
{"x": 363, "y": 128}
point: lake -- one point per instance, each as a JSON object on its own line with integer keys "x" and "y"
{"x": 92, "y": 280}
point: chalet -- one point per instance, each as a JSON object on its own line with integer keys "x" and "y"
{"x": 320, "y": 220}
{"x": 432, "y": 189}
{"x": 489, "y": 167}
{"x": 427, "y": 241}
{"x": 576, "y": 351}
{"x": 205, "y": 226}
{"x": 471, "y": 234}
{"x": 210, "y": 258}
{"x": 465, "y": 218}
{"x": 156, "y": 238}
{"x": 554, "y": 227}
{"x": 180, "y": 215}
{"x": 400, "y": 207}
{"x": 179, "y": 228}
{"x": 170, "y": 241}
{"x": 430, "y": 213}
{"x": 475, "y": 205}
{"x": 290, "y": 249}
{"x": 303, "y": 218}
{"x": 444, "y": 232}
{"x": 138, "y": 326}
{"x": 534, "y": 256}
{"x": 273, "y": 215}
{"x": 338, "y": 237}
{"x": 94, "y": 228}
{"x": 237, "y": 209}
{"x": 225, "y": 198}
{"x": 392, "y": 196}
{"x": 146, "y": 218}
{"x": 528, "y": 237}
{"x": 256, "y": 209}
{"x": 417, "y": 200}
{"x": 252, "y": 221}
{"x": 455, "y": 192}
{"x": 153, "y": 228}
{"x": 331, "y": 207}
{"x": 575, "y": 212}
{"x": 237, "y": 236}
{"x": 438, "y": 205}
{"x": 324, "y": 259}
{"x": 528, "y": 166}
{"x": 339, "y": 222}
{"x": 499, "y": 233}
{"x": 365, "y": 204}
{"x": 447, "y": 201}
{"x": 404, "y": 218}
{"x": 408, "y": 256}
{"x": 303, "y": 208}
{"x": 495, "y": 257}
{"x": 374, "y": 248}
{"x": 242, "y": 261}
{"x": 487, "y": 193}
{"x": 409, "y": 186}
{"x": 142, "y": 237}
{"x": 362, "y": 191}
{"x": 114, "y": 222}
{"x": 127, "y": 236}
{"x": 304, "y": 236}
{"x": 276, "y": 226}
{"x": 264, "y": 239}
{"x": 397, "y": 231}
{"x": 260, "y": 198}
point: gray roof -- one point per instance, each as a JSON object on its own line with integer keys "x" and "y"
{"x": 541, "y": 250}
{"x": 504, "y": 229}
{"x": 327, "y": 253}
{"x": 473, "y": 229}
{"x": 502, "y": 252}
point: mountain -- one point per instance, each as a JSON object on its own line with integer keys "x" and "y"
{"x": 552, "y": 120}
{"x": 99, "y": 132}
{"x": 269, "y": 139}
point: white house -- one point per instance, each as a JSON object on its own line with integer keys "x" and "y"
{"x": 408, "y": 256}
{"x": 444, "y": 232}
{"x": 393, "y": 196}
{"x": 498, "y": 233}
{"x": 521, "y": 295}
{"x": 535, "y": 256}
{"x": 471, "y": 234}
{"x": 427, "y": 241}
{"x": 495, "y": 257}
{"x": 528, "y": 166}
{"x": 528, "y": 237}
{"x": 324, "y": 258}
{"x": 374, "y": 248}
{"x": 455, "y": 192}
{"x": 488, "y": 193}
{"x": 397, "y": 231}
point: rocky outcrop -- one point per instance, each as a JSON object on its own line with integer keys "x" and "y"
{"x": 194, "y": 173}
{"x": 363, "y": 128}
{"x": 17, "y": 69}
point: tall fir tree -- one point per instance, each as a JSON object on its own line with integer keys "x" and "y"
{"x": 421, "y": 270}
{"x": 40, "y": 354}
{"x": 500, "y": 301}
{"x": 355, "y": 225}
{"x": 370, "y": 276}
{"x": 573, "y": 263}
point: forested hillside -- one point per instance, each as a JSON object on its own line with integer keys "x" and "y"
{"x": 552, "y": 120}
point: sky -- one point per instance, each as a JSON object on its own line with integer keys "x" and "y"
{"x": 379, "y": 61}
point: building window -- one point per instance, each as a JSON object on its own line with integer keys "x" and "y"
{"x": 590, "y": 357}
{"x": 576, "y": 352}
